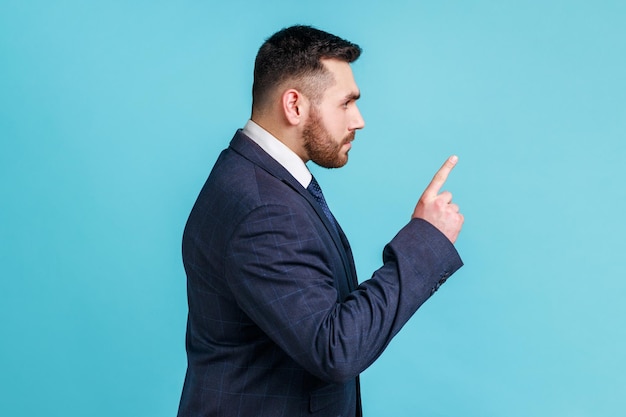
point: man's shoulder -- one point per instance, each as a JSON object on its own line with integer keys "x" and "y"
{"x": 235, "y": 178}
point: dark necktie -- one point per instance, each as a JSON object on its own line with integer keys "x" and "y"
{"x": 316, "y": 192}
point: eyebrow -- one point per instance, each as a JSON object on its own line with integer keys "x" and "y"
{"x": 353, "y": 96}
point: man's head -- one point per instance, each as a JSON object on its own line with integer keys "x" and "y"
{"x": 293, "y": 58}
{"x": 305, "y": 95}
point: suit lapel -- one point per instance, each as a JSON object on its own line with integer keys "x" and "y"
{"x": 251, "y": 151}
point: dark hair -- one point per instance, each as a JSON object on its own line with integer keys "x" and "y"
{"x": 294, "y": 53}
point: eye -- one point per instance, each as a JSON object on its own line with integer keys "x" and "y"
{"x": 345, "y": 105}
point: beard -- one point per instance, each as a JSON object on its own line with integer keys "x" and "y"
{"x": 320, "y": 145}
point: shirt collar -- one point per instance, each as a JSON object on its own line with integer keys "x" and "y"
{"x": 279, "y": 151}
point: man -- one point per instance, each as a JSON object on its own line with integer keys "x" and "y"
{"x": 278, "y": 325}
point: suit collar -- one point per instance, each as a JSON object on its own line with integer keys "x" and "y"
{"x": 247, "y": 148}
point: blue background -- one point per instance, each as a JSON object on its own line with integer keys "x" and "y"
{"x": 112, "y": 114}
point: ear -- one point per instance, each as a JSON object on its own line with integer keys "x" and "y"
{"x": 295, "y": 106}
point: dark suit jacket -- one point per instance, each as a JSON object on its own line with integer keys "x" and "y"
{"x": 278, "y": 325}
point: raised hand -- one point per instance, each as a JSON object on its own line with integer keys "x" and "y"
{"x": 437, "y": 208}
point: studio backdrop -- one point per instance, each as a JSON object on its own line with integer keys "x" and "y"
{"x": 112, "y": 114}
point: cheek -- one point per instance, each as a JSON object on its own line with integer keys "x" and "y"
{"x": 336, "y": 124}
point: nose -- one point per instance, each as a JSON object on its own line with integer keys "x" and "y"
{"x": 357, "y": 122}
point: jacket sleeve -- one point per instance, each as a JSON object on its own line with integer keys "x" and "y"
{"x": 281, "y": 274}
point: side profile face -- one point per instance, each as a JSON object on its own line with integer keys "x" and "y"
{"x": 334, "y": 120}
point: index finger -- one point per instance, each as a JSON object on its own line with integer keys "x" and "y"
{"x": 440, "y": 177}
